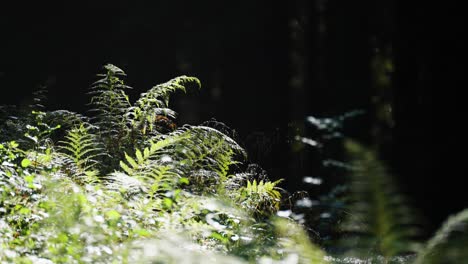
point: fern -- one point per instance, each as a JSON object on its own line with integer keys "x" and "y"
{"x": 82, "y": 147}
{"x": 110, "y": 105}
{"x": 190, "y": 152}
{"x": 110, "y": 100}
{"x": 191, "y": 180}
{"x": 154, "y": 104}
{"x": 380, "y": 224}
{"x": 150, "y": 155}
{"x": 295, "y": 240}
{"x": 448, "y": 245}
{"x": 262, "y": 198}
{"x": 159, "y": 95}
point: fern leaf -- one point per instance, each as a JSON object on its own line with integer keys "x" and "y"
{"x": 294, "y": 239}
{"x": 110, "y": 103}
{"x": 448, "y": 245}
{"x": 126, "y": 168}
{"x": 81, "y": 147}
{"x": 114, "y": 70}
{"x": 154, "y": 103}
{"x": 380, "y": 222}
{"x": 163, "y": 91}
{"x": 131, "y": 161}
{"x": 139, "y": 156}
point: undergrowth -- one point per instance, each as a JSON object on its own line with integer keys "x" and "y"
{"x": 126, "y": 184}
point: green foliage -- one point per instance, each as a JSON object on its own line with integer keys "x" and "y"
{"x": 127, "y": 186}
{"x": 381, "y": 223}
{"x": 110, "y": 104}
{"x": 154, "y": 104}
{"x": 262, "y": 198}
{"x": 296, "y": 240}
{"x": 448, "y": 245}
{"x": 82, "y": 147}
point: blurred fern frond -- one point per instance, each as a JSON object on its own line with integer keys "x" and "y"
{"x": 449, "y": 244}
{"x": 295, "y": 240}
{"x": 381, "y": 224}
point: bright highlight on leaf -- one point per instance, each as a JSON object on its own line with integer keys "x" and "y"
{"x": 25, "y": 163}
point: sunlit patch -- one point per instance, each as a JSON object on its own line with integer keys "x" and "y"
{"x": 166, "y": 159}
{"x": 285, "y": 213}
{"x": 325, "y": 215}
{"x": 307, "y": 141}
{"x": 306, "y": 202}
{"x": 210, "y": 219}
{"x": 312, "y": 180}
{"x": 297, "y": 217}
{"x": 99, "y": 218}
{"x": 246, "y": 238}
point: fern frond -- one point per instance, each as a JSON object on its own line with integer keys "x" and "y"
{"x": 159, "y": 94}
{"x": 82, "y": 147}
{"x": 202, "y": 155}
{"x": 262, "y": 198}
{"x": 156, "y": 165}
{"x": 449, "y": 243}
{"x": 294, "y": 240}
{"x": 144, "y": 161}
{"x": 114, "y": 70}
{"x": 110, "y": 103}
{"x": 208, "y": 149}
{"x": 205, "y": 130}
{"x": 155, "y": 103}
{"x": 381, "y": 223}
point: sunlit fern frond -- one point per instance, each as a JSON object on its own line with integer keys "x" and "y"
{"x": 161, "y": 179}
{"x": 202, "y": 155}
{"x": 261, "y": 198}
{"x": 110, "y": 103}
{"x": 205, "y": 132}
{"x": 204, "y": 148}
{"x": 209, "y": 149}
{"x": 108, "y": 92}
{"x": 159, "y": 95}
{"x": 151, "y": 121}
{"x": 157, "y": 165}
{"x": 380, "y": 223}
{"x": 109, "y": 100}
{"x": 158, "y": 153}
{"x": 153, "y": 104}
{"x": 82, "y": 147}
{"x": 449, "y": 244}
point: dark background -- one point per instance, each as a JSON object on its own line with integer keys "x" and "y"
{"x": 264, "y": 67}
